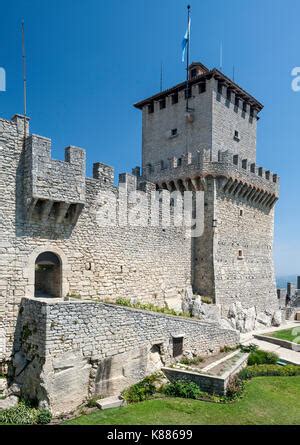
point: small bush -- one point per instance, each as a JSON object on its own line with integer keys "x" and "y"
{"x": 23, "y": 414}
{"x": 91, "y": 403}
{"x": 248, "y": 348}
{"x": 207, "y": 300}
{"x": 260, "y": 357}
{"x": 191, "y": 361}
{"x": 182, "y": 388}
{"x": 140, "y": 391}
{"x": 235, "y": 388}
{"x": 269, "y": 370}
{"x": 44, "y": 417}
{"x": 228, "y": 348}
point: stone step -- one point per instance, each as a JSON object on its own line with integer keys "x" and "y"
{"x": 110, "y": 402}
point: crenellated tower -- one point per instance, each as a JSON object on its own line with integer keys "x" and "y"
{"x": 212, "y": 147}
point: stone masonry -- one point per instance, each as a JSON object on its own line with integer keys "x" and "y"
{"x": 54, "y": 247}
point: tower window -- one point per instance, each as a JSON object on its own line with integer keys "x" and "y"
{"x": 179, "y": 162}
{"x": 188, "y": 92}
{"x": 162, "y": 165}
{"x": 244, "y": 107}
{"x": 251, "y": 112}
{"x": 174, "y": 132}
{"x": 220, "y": 87}
{"x": 241, "y": 212}
{"x": 174, "y": 98}
{"x": 228, "y": 94}
{"x": 237, "y": 101}
{"x": 151, "y": 108}
{"x": 202, "y": 87}
{"x": 193, "y": 73}
{"x": 177, "y": 346}
{"x": 240, "y": 255}
{"x": 236, "y": 135}
{"x": 162, "y": 103}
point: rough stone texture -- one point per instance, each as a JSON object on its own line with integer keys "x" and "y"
{"x": 67, "y": 351}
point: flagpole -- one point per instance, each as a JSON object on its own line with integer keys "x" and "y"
{"x": 188, "y": 59}
{"x": 24, "y": 78}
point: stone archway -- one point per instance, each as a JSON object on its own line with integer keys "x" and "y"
{"x": 48, "y": 275}
{"x": 29, "y": 270}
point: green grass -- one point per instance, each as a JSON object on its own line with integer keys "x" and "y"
{"x": 287, "y": 334}
{"x": 267, "y": 401}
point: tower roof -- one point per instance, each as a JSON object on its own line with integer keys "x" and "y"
{"x": 205, "y": 74}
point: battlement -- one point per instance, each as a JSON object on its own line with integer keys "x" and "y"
{"x": 187, "y": 171}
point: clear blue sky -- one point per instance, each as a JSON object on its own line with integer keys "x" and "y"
{"x": 89, "y": 61}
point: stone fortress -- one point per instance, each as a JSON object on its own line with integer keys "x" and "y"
{"x": 61, "y": 337}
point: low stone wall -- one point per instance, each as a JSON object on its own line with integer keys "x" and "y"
{"x": 280, "y": 342}
{"x": 66, "y": 351}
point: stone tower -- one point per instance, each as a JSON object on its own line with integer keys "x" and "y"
{"x": 212, "y": 147}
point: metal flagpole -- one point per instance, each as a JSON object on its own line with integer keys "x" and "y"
{"x": 188, "y": 60}
{"x": 24, "y": 77}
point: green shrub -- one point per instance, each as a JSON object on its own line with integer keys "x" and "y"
{"x": 228, "y": 348}
{"x": 207, "y": 300}
{"x": 44, "y": 417}
{"x": 235, "y": 388}
{"x": 91, "y": 403}
{"x": 140, "y": 391}
{"x": 191, "y": 361}
{"x": 182, "y": 388}
{"x": 23, "y": 414}
{"x": 269, "y": 370}
{"x": 248, "y": 348}
{"x": 260, "y": 357}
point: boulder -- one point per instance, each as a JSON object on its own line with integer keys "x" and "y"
{"x": 14, "y": 390}
{"x": 264, "y": 319}
{"x": 9, "y": 402}
{"x": 277, "y": 318}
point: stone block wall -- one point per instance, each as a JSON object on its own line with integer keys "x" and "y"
{"x": 72, "y": 350}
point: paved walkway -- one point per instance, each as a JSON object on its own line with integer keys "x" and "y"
{"x": 284, "y": 354}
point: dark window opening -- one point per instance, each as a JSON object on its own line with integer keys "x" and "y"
{"x": 151, "y": 108}
{"x": 177, "y": 346}
{"x": 228, "y": 94}
{"x": 188, "y": 92}
{"x": 162, "y": 103}
{"x": 244, "y": 107}
{"x": 193, "y": 73}
{"x": 237, "y": 101}
{"x": 174, "y": 98}
{"x": 202, "y": 87}
{"x": 174, "y": 131}
{"x": 251, "y": 112}
{"x": 179, "y": 162}
{"x": 48, "y": 275}
{"x": 220, "y": 87}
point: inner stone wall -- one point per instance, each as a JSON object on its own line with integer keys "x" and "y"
{"x": 69, "y": 351}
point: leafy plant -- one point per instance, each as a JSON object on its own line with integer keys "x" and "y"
{"x": 91, "y": 403}
{"x": 248, "y": 348}
{"x": 269, "y": 370}
{"x": 182, "y": 388}
{"x": 235, "y": 388}
{"x": 23, "y": 414}
{"x": 150, "y": 307}
{"x": 260, "y": 357}
{"x": 228, "y": 348}
{"x": 44, "y": 417}
{"x": 207, "y": 300}
{"x": 191, "y": 361}
{"x": 140, "y": 391}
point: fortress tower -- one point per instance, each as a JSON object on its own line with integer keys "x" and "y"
{"x": 211, "y": 146}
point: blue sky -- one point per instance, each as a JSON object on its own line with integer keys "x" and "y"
{"x": 89, "y": 61}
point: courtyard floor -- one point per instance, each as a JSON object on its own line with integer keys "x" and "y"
{"x": 266, "y": 401}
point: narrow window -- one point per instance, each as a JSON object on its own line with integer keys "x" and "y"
{"x": 202, "y": 87}
{"x": 188, "y": 92}
{"x": 162, "y": 103}
{"x": 244, "y": 107}
{"x": 220, "y": 87}
{"x": 241, "y": 212}
{"x": 162, "y": 165}
{"x": 174, "y": 98}
{"x": 179, "y": 162}
{"x": 237, "y": 101}
{"x": 251, "y": 112}
{"x": 151, "y": 108}
{"x": 193, "y": 73}
{"x": 174, "y": 132}
{"x": 236, "y": 135}
{"x": 177, "y": 346}
{"x": 241, "y": 256}
{"x": 228, "y": 94}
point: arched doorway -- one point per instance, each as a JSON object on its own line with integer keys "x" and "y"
{"x": 48, "y": 275}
